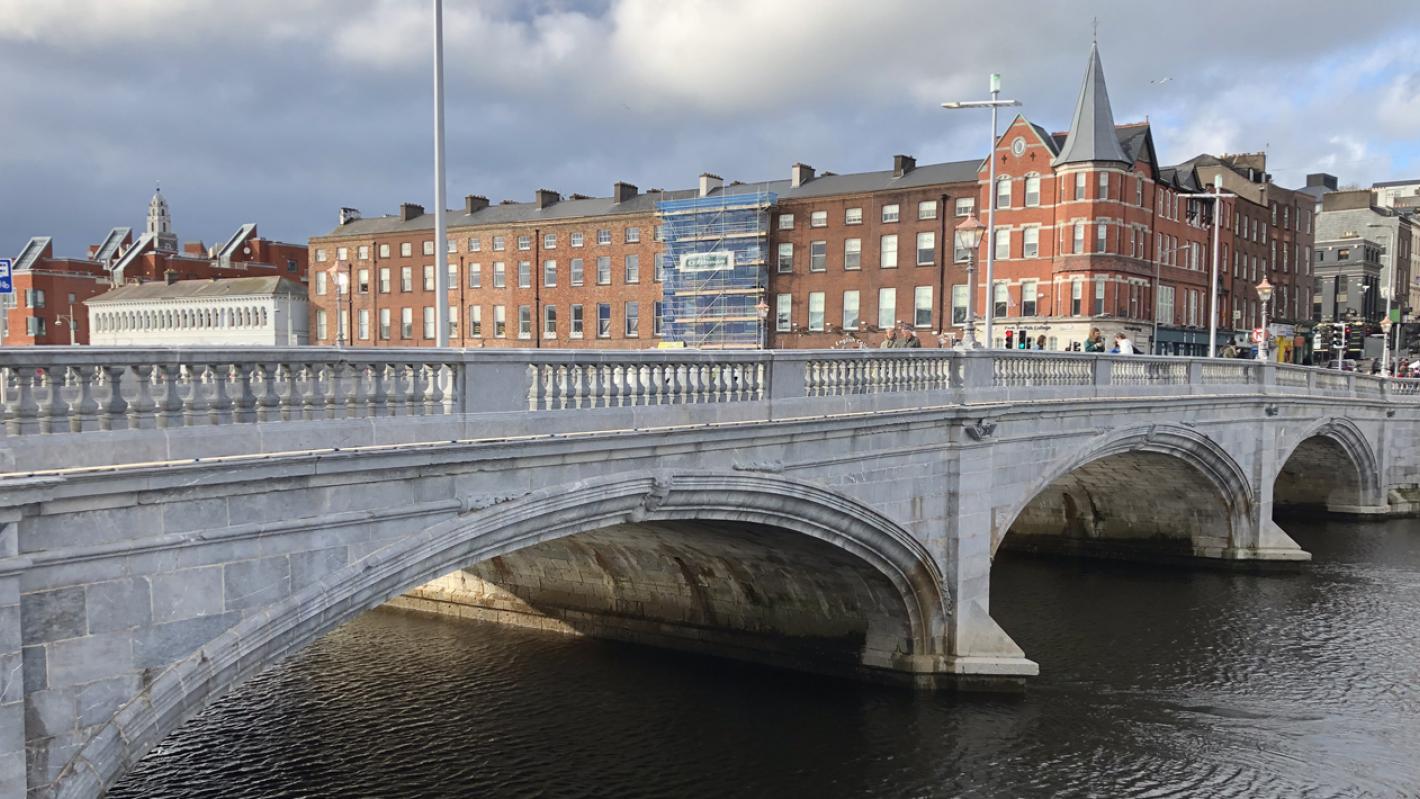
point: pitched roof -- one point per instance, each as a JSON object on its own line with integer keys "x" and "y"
{"x": 201, "y": 289}
{"x": 1092, "y": 135}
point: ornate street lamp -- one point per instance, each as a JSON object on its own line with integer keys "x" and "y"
{"x": 968, "y": 235}
{"x": 1264, "y": 293}
{"x": 762, "y": 309}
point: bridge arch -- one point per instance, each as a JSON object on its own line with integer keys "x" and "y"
{"x": 1328, "y": 465}
{"x": 490, "y": 527}
{"x": 1103, "y": 498}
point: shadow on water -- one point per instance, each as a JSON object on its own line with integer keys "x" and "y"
{"x": 1154, "y": 681}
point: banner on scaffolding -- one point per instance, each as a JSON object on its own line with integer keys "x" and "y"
{"x": 707, "y": 261}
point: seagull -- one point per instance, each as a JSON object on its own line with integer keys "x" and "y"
{"x": 1160, "y": 81}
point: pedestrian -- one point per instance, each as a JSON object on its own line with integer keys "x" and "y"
{"x": 890, "y": 343}
{"x": 1229, "y": 350}
{"x": 1122, "y": 344}
{"x": 909, "y": 337}
{"x": 1095, "y": 343}
{"x": 1040, "y": 341}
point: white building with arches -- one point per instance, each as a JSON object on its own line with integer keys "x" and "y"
{"x": 254, "y": 311}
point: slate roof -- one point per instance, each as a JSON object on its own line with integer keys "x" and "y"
{"x": 1092, "y": 135}
{"x": 645, "y": 204}
{"x": 201, "y": 289}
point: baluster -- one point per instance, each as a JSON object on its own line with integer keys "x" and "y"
{"x": 578, "y": 388}
{"x": 140, "y": 410}
{"x": 219, "y": 407}
{"x": 245, "y": 402}
{"x": 114, "y": 407}
{"x": 759, "y": 380}
{"x": 741, "y": 377}
{"x": 312, "y": 398}
{"x": 618, "y": 385}
{"x": 53, "y": 410}
{"x": 533, "y": 384}
{"x": 288, "y": 393}
{"x": 194, "y": 402}
{"x": 333, "y": 392}
{"x": 548, "y": 399}
{"x": 434, "y": 392}
{"x": 396, "y": 389}
{"x": 169, "y": 403}
{"x": 633, "y": 385}
{"x": 83, "y": 409}
{"x": 360, "y": 401}
{"x": 656, "y": 384}
{"x": 21, "y": 410}
{"x": 562, "y": 387}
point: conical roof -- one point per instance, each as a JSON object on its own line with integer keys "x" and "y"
{"x": 1092, "y": 136}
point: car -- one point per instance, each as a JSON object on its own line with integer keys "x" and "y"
{"x": 1347, "y": 365}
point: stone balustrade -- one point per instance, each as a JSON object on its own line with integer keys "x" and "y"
{"x": 49, "y": 390}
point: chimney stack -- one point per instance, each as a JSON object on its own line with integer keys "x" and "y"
{"x": 348, "y": 215}
{"x": 408, "y": 211}
{"x": 902, "y": 164}
{"x": 621, "y": 191}
{"x": 1323, "y": 179}
{"x": 473, "y": 203}
{"x": 170, "y": 276}
{"x": 800, "y": 174}
{"x": 709, "y": 183}
{"x": 546, "y": 197}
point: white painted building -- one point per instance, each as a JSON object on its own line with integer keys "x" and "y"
{"x": 252, "y": 311}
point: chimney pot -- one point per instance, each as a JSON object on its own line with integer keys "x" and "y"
{"x": 902, "y": 164}
{"x": 799, "y": 174}
{"x": 408, "y": 211}
{"x": 622, "y": 191}
{"x": 546, "y": 197}
{"x": 473, "y": 203}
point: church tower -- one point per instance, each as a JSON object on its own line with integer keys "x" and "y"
{"x": 160, "y": 223}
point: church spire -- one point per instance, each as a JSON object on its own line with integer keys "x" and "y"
{"x": 160, "y": 222}
{"x": 1092, "y": 136}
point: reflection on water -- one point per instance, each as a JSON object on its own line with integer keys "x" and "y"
{"x": 1154, "y": 682}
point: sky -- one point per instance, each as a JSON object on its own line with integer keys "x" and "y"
{"x": 280, "y": 112}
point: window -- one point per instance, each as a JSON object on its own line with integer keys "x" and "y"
{"x": 1003, "y": 193}
{"x": 1029, "y": 291}
{"x": 1139, "y": 192}
{"x": 322, "y": 325}
{"x": 406, "y": 279}
{"x": 453, "y": 246}
{"x": 549, "y": 273}
{"x": 362, "y": 281}
{"x": 342, "y": 253}
{"x": 887, "y": 307}
{"x": 500, "y": 321}
{"x": 1104, "y": 186}
{"x": 524, "y": 274}
{"x": 1343, "y": 254}
{"x": 816, "y": 310}
{"x": 890, "y": 213}
{"x": 549, "y": 321}
{"x": 428, "y": 322}
{"x": 959, "y": 253}
{"x": 384, "y": 324}
{"x": 786, "y": 221}
{"x": 965, "y": 205}
{"x": 1076, "y": 289}
{"x": 887, "y": 251}
{"x": 406, "y": 323}
{"x": 320, "y": 256}
{"x": 429, "y": 247}
{"x": 406, "y": 249}
{"x": 852, "y": 253}
{"x": 818, "y": 256}
{"x": 853, "y": 216}
{"x": 499, "y": 245}
{"x": 578, "y": 272}
{"x": 320, "y": 284}
{"x": 818, "y": 219}
{"x": 922, "y": 306}
{"x": 1030, "y": 242}
{"x": 657, "y": 318}
{"x": 1032, "y": 190}
{"x": 475, "y": 321}
{"x": 850, "y": 310}
{"x": 633, "y": 235}
{"x": 786, "y": 257}
{"x": 927, "y": 209}
{"x": 603, "y": 236}
{"x": 662, "y": 259}
{"x": 500, "y": 275}
{"x": 926, "y": 248}
{"x": 1000, "y": 298}
{"x": 633, "y": 268}
{"x": 959, "y": 304}
{"x": 576, "y": 238}
{"x": 524, "y": 321}
{"x": 1079, "y": 238}
{"x": 603, "y": 270}
{"x": 525, "y": 242}
{"x": 603, "y": 320}
{"x": 362, "y": 252}
{"x": 453, "y": 321}
{"x": 1099, "y": 296}
{"x": 549, "y": 241}
{"x": 1101, "y": 237}
{"x": 577, "y": 322}
{"x": 1003, "y": 243}
{"x": 1080, "y": 178}
{"x": 783, "y": 312}
{"x": 429, "y": 278}
{"x": 475, "y": 276}
{"x": 475, "y": 244}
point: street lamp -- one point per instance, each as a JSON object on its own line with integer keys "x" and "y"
{"x": 73, "y": 327}
{"x": 1216, "y": 196}
{"x": 1264, "y": 293}
{"x": 968, "y": 235}
{"x": 994, "y": 103}
{"x": 1387, "y": 290}
{"x": 762, "y": 309}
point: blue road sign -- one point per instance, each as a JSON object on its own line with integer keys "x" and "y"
{"x": 7, "y": 286}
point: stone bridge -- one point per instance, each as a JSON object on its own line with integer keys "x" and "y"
{"x": 174, "y": 521}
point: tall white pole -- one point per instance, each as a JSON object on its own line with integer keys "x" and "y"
{"x": 1213, "y": 279}
{"x": 1389, "y": 291}
{"x": 441, "y": 237}
{"x": 991, "y": 217}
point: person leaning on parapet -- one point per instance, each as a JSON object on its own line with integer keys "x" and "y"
{"x": 909, "y": 337}
{"x": 1229, "y": 350}
{"x": 1122, "y": 344}
{"x": 891, "y": 342}
{"x": 1095, "y": 343}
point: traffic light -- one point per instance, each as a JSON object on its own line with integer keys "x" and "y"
{"x": 1022, "y": 340}
{"x": 1010, "y": 339}
{"x": 1338, "y": 337}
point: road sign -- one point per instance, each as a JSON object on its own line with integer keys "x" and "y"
{"x": 7, "y": 286}
{"x": 1258, "y": 335}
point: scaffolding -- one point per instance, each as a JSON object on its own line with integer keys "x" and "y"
{"x": 716, "y": 269}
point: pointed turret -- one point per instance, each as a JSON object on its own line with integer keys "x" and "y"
{"x": 1092, "y": 136}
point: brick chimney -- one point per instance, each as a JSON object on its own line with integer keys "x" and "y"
{"x": 902, "y": 164}
{"x": 546, "y": 197}
{"x": 709, "y": 183}
{"x": 408, "y": 211}
{"x": 799, "y": 174}
{"x": 621, "y": 191}
{"x": 474, "y": 203}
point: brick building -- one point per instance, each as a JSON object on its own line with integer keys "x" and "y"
{"x": 48, "y": 304}
{"x": 1092, "y": 231}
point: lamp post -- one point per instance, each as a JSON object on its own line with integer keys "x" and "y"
{"x": 1216, "y": 196}
{"x": 762, "y": 309}
{"x": 968, "y": 235}
{"x": 1264, "y": 294}
{"x": 441, "y": 238}
{"x": 73, "y": 330}
{"x": 1387, "y": 290}
{"x": 994, "y": 103}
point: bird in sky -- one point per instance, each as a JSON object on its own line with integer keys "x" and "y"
{"x": 1160, "y": 81}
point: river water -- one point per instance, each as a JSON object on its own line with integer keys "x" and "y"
{"x": 1155, "y": 682}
